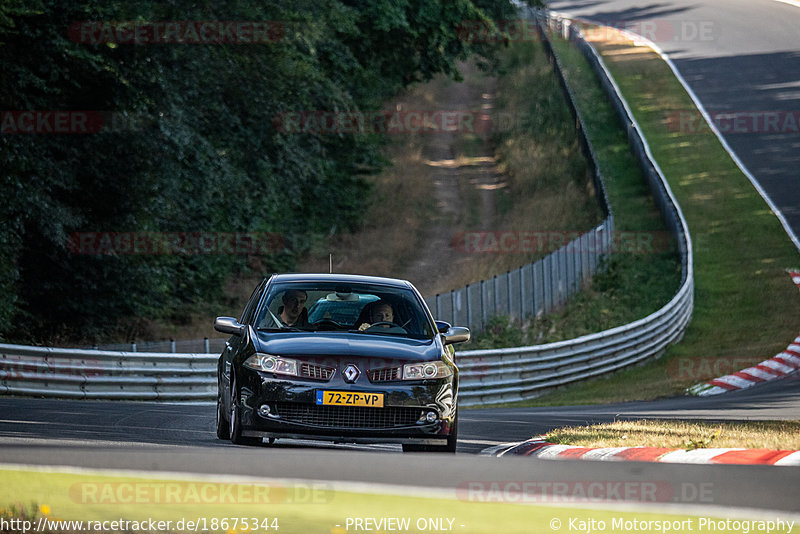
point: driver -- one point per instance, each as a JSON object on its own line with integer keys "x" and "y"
{"x": 380, "y": 312}
{"x": 293, "y": 311}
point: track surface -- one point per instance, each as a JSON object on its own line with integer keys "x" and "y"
{"x": 750, "y": 63}
{"x": 126, "y": 423}
{"x": 179, "y": 438}
{"x": 737, "y": 56}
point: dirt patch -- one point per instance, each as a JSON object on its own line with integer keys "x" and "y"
{"x": 440, "y": 184}
{"x": 465, "y": 182}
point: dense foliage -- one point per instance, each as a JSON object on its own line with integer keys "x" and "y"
{"x": 195, "y": 145}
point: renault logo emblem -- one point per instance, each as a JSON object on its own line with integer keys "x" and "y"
{"x": 350, "y": 373}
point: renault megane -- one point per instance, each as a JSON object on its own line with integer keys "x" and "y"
{"x": 341, "y": 358}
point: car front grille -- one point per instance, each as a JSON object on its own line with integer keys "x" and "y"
{"x": 387, "y": 374}
{"x": 316, "y": 372}
{"x": 348, "y": 416}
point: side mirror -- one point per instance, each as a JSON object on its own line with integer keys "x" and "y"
{"x": 442, "y": 326}
{"x": 228, "y": 325}
{"x": 456, "y": 334}
{"x": 452, "y": 334}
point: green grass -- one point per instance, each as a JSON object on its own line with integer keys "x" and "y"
{"x": 775, "y": 435}
{"x": 745, "y": 303}
{"x": 548, "y": 186}
{"x": 629, "y": 288}
{"x": 633, "y": 284}
{"x": 100, "y": 496}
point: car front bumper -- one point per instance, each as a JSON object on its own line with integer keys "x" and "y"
{"x": 274, "y": 407}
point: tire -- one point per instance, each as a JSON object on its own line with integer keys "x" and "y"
{"x": 452, "y": 441}
{"x": 235, "y": 428}
{"x": 223, "y": 425}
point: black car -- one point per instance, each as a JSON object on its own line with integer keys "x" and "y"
{"x": 341, "y": 358}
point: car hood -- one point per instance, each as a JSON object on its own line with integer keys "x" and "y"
{"x": 346, "y": 344}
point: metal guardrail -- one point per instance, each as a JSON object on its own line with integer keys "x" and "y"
{"x": 97, "y": 374}
{"x": 508, "y": 375}
{"x": 487, "y": 376}
{"x": 533, "y": 289}
{"x": 205, "y": 345}
{"x": 543, "y": 286}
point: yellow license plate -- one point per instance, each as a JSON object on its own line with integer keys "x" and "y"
{"x": 350, "y": 398}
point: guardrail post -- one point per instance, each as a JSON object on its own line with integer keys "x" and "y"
{"x": 206, "y": 345}
{"x": 133, "y": 346}
{"x": 496, "y": 296}
{"x": 554, "y": 279}
{"x": 172, "y": 345}
{"x": 453, "y": 307}
{"x": 586, "y": 258}
{"x": 483, "y": 305}
{"x": 547, "y": 303}
{"x": 469, "y": 309}
{"x": 568, "y": 250}
{"x": 508, "y": 291}
{"x": 536, "y": 287}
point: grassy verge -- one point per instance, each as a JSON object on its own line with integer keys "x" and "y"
{"x": 745, "y": 304}
{"x": 548, "y": 186}
{"x": 783, "y": 435}
{"x": 524, "y": 174}
{"x": 637, "y": 280}
{"x": 31, "y": 495}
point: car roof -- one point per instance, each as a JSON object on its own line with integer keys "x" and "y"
{"x": 336, "y": 277}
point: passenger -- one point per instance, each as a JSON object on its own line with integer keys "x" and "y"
{"x": 379, "y": 312}
{"x": 293, "y": 311}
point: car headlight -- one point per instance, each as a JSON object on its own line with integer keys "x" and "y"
{"x": 272, "y": 364}
{"x": 426, "y": 370}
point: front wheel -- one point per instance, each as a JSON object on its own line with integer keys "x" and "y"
{"x": 236, "y": 419}
{"x": 223, "y": 425}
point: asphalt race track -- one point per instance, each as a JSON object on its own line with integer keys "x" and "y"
{"x": 180, "y": 438}
{"x": 737, "y": 56}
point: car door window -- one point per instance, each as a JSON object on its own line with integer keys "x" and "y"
{"x": 250, "y": 308}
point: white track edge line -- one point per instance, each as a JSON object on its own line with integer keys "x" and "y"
{"x": 657, "y": 49}
{"x": 794, "y": 3}
{"x": 681, "y": 509}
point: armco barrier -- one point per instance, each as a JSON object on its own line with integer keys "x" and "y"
{"x": 508, "y": 375}
{"x": 487, "y": 376}
{"x": 545, "y": 285}
{"x": 96, "y": 374}
{"x": 534, "y": 289}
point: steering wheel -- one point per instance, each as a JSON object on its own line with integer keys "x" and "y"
{"x": 328, "y": 322}
{"x": 393, "y": 328}
{"x": 387, "y": 323}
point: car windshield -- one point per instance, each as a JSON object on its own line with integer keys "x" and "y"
{"x": 357, "y": 308}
